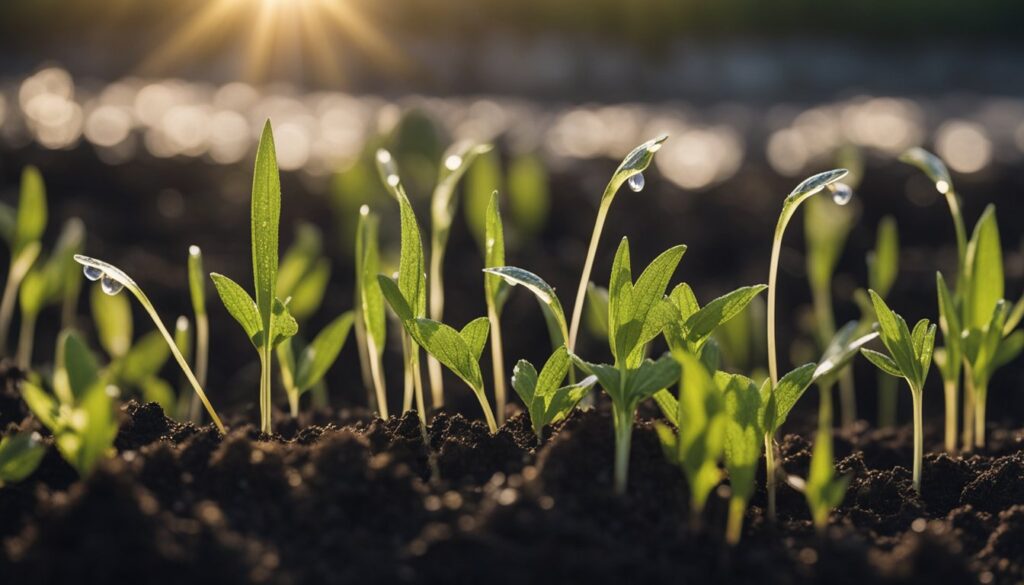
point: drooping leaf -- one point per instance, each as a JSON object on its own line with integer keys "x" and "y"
{"x": 322, "y": 352}
{"x": 540, "y": 289}
{"x": 841, "y": 350}
{"x": 634, "y": 163}
{"x": 930, "y": 165}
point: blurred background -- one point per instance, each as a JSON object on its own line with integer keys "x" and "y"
{"x": 144, "y": 116}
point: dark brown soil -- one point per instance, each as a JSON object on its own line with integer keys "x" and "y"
{"x": 363, "y": 501}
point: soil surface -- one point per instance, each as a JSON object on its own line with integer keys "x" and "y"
{"x": 341, "y": 497}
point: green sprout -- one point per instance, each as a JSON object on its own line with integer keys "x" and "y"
{"x": 824, "y": 490}
{"x": 495, "y": 293}
{"x": 197, "y": 292}
{"x": 80, "y": 413}
{"x": 547, "y": 401}
{"x": 459, "y": 351}
{"x": 742, "y": 447}
{"x": 20, "y": 455}
{"x": 454, "y": 163}
{"x": 265, "y": 320}
{"x": 25, "y": 245}
{"x": 411, "y": 282}
{"x": 304, "y": 273}
{"x": 826, "y": 228}
{"x": 697, "y": 445}
{"x": 112, "y": 280}
{"x": 371, "y": 324}
{"x": 546, "y": 297}
{"x": 302, "y": 373}
{"x": 629, "y": 170}
{"x": 637, "y": 314}
{"x": 910, "y": 358}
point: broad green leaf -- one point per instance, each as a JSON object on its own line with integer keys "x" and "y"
{"x": 448, "y": 347}
{"x": 560, "y": 402}
{"x": 607, "y": 376}
{"x": 43, "y": 406}
{"x": 524, "y": 382}
{"x": 700, "y": 324}
{"x": 266, "y": 219}
{"x": 282, "y": 324}
{"x": 96, "y": 435}
{"x": 553, "y": 372}
{"x": 743, "y": 433}
{"x": 651, "y": 377}
{"x": 529, "y": 194}
{"x": 683, "y": 298}
{"x": 20, "y": 454}
{"x": 634, "y": 163}
{"x": 924, "y": 358}
{"x": 701, "y": 427}
{"x": 196, "y": 281}
{"x": 32, "y": 211}
{"x": 786, "y": 394}
{"x": 620, "y": 291}
{"x": 308, "y": 294}
{"x": 540, "y": 289}
{"x": 658, "y": 318}
{"x": 546, "y": 401}
{"x": 112, "y": 315}
{"x": 882, "y": 362}
{"x": 395, "y": 299}
{"x": 76, "y": 367}
{"x": 411, "y": 275}
{"x": 322, "y": 352}
{"x": 240, "y": 306}
{"x": 984, "y": 270}
{"x": 884, "y": 260}
{"x": 475, "y": 335}
{"x": 632, "y": 328}
{"x": 494, "y": 252}
{"x": 371, "y": 298}
{"x": 144, "y": 359}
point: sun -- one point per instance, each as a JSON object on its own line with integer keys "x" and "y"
{"x": 273, "y": 39}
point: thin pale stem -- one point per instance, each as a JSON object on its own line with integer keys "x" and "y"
{"x": 497, "y": 363}
{"x": 26, "y": 339}
{"x": 202, "y": 361}
{"x": 950, "y": 391}
{"x": 362, "y": 344}
{"x": 293, "y": 402}
{"x": 773, "y": 269}
{"x": 409, "y": 385}
{"x": 588, "y": 265}
{"x": 918, "y": 438}
{"x": 436, "y": 280}
{"x": 417, "y": 379}
{"x": 378, "y": 382}
{"x": 980, "y": 392}
{"x": 734, "y": 526}
{"x": 7, "y": 306}
{"x": 961, "y": 237}
{"x": 769, "y": 467}
{"x": 623, "y": 442}
{"x": 485, "y": 405}
{"x": 265, "y": 385}
{"x": 967, "y": 433}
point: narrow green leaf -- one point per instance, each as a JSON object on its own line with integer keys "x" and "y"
{"x": 112, "y": 315}
{"x": 196, "y": 281}
{"x": 494, "y": 252}
{"x": 1015, "y": 316}
{"x": 32, "y": 293}
{"x": 240, "y": 306}
{"x": 896, "y": 337}
{"x": 395, "y": 299}
{"x": 454, "y": 163}
{"x": 266, "y": 219}
{"x": 524, "y": 382}
{"x": 43, "y": 406}
{"x": 788, "y": 391}
{"x": 700, "y": 324}
{"x": 841, "y": 350}
{"x": 743, "y": 433}
{"x": 984, "y": 270}
{"x": 322, "y": 352}
{"x": 308, "y": 294}
{"x": 32, "y": 210}
{"x": 483, "y": 178}
{"x": 76, "y": 364}
{"x": 282, "y": 324}
{"x": 411, "y": 264}
{"x": 96, "y": 436}
{"x": 651, "y": 377}
{"x": 367, "y": 267}
{"x": 882, "y": 362}
{"x": 634, "y": 163}
{"x": 701, "y": 428}
{"x": 930, "y": 165}
{"x": 884, "y": 261}
{"x": 949, "y": 321}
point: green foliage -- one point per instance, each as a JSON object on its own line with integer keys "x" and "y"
{"x": 884, "y": 261}
{"x": 82, "y": 420}
{"x": 984, "y": 271}
{"x": 302, "y": 373}
{"x": 20, "y": 454}
{"x": 545, "y": 398}
{"x": 495, "y": 293}
{"x": 743, "y": 443}
{"x": 542, "y": 290}
{"x": 304, "y": 273}
{"x": 371, "y": 321}
{"x": 529, "y": 194}
{"x": 597, "y": 310}
{"x": 697, "y": 445}
{"x": 824, "y": 491}
{"x": 695, "y": 325}
{"x": 483, "y": 178}
{"x": 30, "y": 222}
{"x": 112, "y": 316}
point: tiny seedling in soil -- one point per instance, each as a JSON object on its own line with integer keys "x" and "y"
{"x": 371, "y": 320}
{"x": 301, "y": 373}
{"x": 547, "y": 401}
{"x": 25, "y": 245}
{"x": 495, "y": 293}
{"x": 197, "y": 292}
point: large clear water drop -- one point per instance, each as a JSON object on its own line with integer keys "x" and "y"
{"x": 636, "y": 182}
{"x": 841, "y": 193}
{"x": 92, "y": 273}
{"x": 110, "y": 286}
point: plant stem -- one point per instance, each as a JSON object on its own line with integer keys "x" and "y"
{"x": 769, "y": 468}
{"x": 417, "y": 380}
{"x": 293, "y": 403}
{"x": 497, "y": 362}
{"x": 961, "y": 238}
{"x": 436, "y": 280}
{"x": 967, "y": 433}
{"x": 888, "y": 400}
{"x": 623, "y": 440}
{"x": 202, "y": 361}
{"x": 26, "y": 339}
{"x": 734, "y": 526}
{"x": 409, "y": 389}
{"x": 364, "y": 353}
{"x": 7, "y": 305}
{"x": 949, "y": 386}
{"x": 373, "y": 358}
{"x": 918, "y": 438}
{"x": 980, "y": 393}
{"x": 265, "y": 384}
{"x": 588, "y": 265}
{"x": 485, "y": 405}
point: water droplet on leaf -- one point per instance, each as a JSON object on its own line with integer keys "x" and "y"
{"x": 841, "y": 193}
{"x": 92, "y": 273}
{"x": 636, "y": 182}
{"x": 453, "y": 162}
{"x": 110, "y": 286}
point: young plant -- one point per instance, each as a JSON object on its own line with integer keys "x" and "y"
{"x": 545, "y": 398}
{"x": 697, "y": 441}
{"x": 637, "y": 313}
{"x": 25, "y": 245}
{"x": 630, "y": 170}
{"x": 371, "y": 324}
{"x": 112, "y": 280}
{"x": 826, "y": 228}
{"x": 81, "y": 412}
{"x": 742, "y": 447}
{"x": 454, "y": 163}
{"x": 546, "y": 297}
{"x": 411, "y": 283}
{"x": 989, "y": 341}
{"x": 301, "y": 374}
{"x": 304, "y": 273}
{"x": 910, "y": 358}
{"x": 495, "y": 293}
{"x": 459, "y": 351}
{"x": 197, "y": 292}
{"x": 883, "y": 267}
{"x": 265, "y": 320}
{"x": 20, "y": 455}
{"x": 823, "y": 490}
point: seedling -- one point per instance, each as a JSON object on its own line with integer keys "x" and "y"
{"x": 696, "y": 447}
{"x": 454, "y": 162}
{"x": 197, "y": 292}
{"x": 20, "y": 455}
{"x": 459, "y": 351}
{"x": 112, "y": 281}
{"x": 495, "y": 293}
{"x": 547, "y": 401}
{"x": 265, "y": 320}
{"x": 910, "y": 358}
{"x": 743, "y": 432}
{"x": 304, "y": 273}
{"x": 411, "y": 282}
{"x": 80, "y": 413}
{"x": 630, "y": 170}
{"x": 300, "y": 374}
{"x": 371, "y": 324}
{"x": 545, "y": 295}
{"x": 637, "y": 314}
{"x": 823, "y": 490}
{"x": 25, "y": 245}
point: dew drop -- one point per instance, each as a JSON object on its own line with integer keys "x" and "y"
{"x": 636, "y": 182}
{"x": 110, "y": 286}
{"x": 453, "y": 162}
{"x": 393, "y": 180}
{"x": 841, "y": 193}
{"x": 92, "y": 273}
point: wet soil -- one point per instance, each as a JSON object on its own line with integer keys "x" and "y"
{"x": 362, "y": 500}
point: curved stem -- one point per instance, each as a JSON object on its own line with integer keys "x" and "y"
{"x": 773, "y": 272}
{"x": 485, "y": 405}
{"x": 7, "y": 305}
{"x": 588, "y": 265}
{"x": 961, "y": 237}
